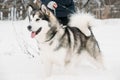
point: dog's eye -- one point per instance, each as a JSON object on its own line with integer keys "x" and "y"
{"x": 37, "y": 19}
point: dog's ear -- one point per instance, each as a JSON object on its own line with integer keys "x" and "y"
{"x": 45, "y": 10}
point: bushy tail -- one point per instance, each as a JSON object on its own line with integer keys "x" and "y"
{"x": 83, "y": 21}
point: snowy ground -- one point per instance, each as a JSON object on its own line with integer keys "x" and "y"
{"x": 19, "y": 54}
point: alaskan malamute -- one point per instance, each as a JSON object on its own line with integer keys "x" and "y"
{"x": 58, "y": 43}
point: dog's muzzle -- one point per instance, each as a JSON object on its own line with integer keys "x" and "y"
{"x": 34, "y": 33}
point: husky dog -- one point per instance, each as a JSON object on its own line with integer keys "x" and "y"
{"x": 58, "y": 43}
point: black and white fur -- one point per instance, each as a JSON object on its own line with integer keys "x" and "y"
{"x": 58, "y": 43}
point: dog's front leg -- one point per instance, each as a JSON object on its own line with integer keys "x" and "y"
{"x": 47, "y": 69}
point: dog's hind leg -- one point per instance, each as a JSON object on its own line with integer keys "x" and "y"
{"x": 93, "y": 49}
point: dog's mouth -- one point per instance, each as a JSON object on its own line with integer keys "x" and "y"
{"x": 34, "y": 33}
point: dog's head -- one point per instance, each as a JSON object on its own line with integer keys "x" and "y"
{"x": 43, "y": 24}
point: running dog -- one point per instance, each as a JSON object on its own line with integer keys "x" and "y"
{"x": 58, "y": 43}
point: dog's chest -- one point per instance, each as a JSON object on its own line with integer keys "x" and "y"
{"x": 50, "y": 55}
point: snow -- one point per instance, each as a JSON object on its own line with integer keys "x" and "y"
{"x": 20, "y": 57}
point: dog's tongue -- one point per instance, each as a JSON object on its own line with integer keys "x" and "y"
{"x": 33, "y": 34}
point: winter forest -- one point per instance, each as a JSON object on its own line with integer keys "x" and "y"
{"x": 17, "y": 9}
{"x": 20, "y": 55}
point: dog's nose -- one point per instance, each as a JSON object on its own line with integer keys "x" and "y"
{"x": 29, "y": 27}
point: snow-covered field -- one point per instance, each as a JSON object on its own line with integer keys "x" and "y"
{"x": 20, "y": 57}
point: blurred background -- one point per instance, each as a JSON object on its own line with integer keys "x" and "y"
{"x": 102, "y": 9}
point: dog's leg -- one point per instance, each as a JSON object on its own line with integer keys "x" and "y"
{"x": 68, "y": 57}
{"x": 95, "y": 53}
{"x": 47, "y": 69}
{"x": 96, "y": 61}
